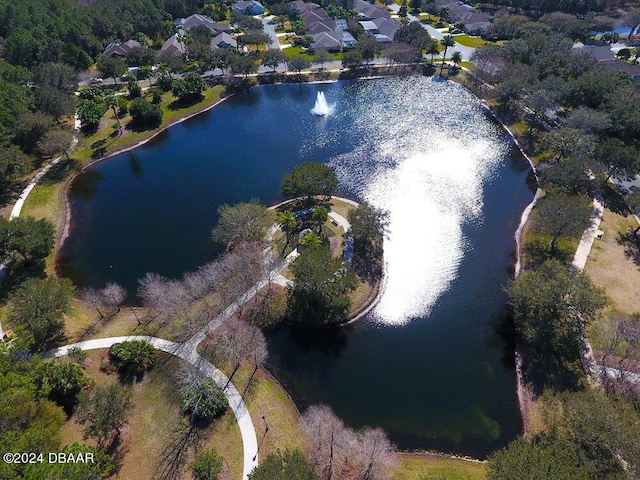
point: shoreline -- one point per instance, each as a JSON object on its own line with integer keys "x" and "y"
{"x": 64, "y": 231}
{"x": 377, "y": 289}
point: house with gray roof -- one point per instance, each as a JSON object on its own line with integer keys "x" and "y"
{"x": 387, "y": 26}
{"x": 196, "y": 20}
{"x": 333, "y": 41}
{"x": 367, "y": 11}
{"x": 174, "y": 46}
{"x": 313, "y": 16}
{"x": 318, "y": 27}
{"x": 118, "y": 49}
{"x": 248, "y": 7}
{"x": 223, "y": 40}
{"x": 606, "y": 58}
{"x": 300, "y": 7}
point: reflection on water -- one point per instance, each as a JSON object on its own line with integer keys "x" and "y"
{"x": 424, "y": 365}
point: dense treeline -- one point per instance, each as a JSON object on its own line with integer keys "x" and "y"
{"x": 581, "y": 126}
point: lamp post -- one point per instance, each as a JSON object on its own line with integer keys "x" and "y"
{"x": 266, "y": 429}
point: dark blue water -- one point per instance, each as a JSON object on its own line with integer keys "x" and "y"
{"x": 425, "y": 365}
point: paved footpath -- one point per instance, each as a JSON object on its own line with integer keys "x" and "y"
{"x": 588, "y": 237}
{"x": 189, "y": 353}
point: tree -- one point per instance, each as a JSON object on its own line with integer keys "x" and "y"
{"x": 202, "y": 398}
{"x": 272, "y": 58}
{"x": 320, "y": 215}
{"x": 566, "y": 143}
{"x": 562, "y": 215}
{"x": 243, "y": 64}
{"x": 189, "y": 88}
{"x": 552, "y": 307}
{"x": 588, "y": 120}
{"x": 456, "y": 58}
{"x": 297, "y": 63}
{"x": 30, "y": 238}
{"x": 311, "y": 240}
{"x": 537, "y": 459}
{"x": 255, "y": 37}
{"x": 31, "y": 128}
{"x": 447, "y": 41}
{"x": 144, "y": 114}
{"x": 368, "y": 46}
{"x": 113, "y": 295}
{"x": 111, "y": 67}
{"x": 375, "y": 457}
{"x": 54, "y": 142}
{"x": 571, "y": 175}
{"x": 352, "y": 59}
{"x": 54, "y": 102}
{"x": 90, "y": 113}
{"x": 369, "y": 225}
{"x": 14, "y": 164}
{"x": 58, "y": 76}
{"x": 62, "y": 381}
{"x": 632, "y": 20}
{"x": 37, "y": 308}
{"x": 618, "y": 159}
{"x": 133, "y": 358}
{"x": 244, "y": 222}
{"x": 287, "y": 223}
{"x": 112, "y": 103}
{"x": 207, "y": 465}
{"x": 105, "y": 410}
{"x": 320, "y": 291}
{"x": 289, "y": 464}
{"x": 309, "y": 179}
{"x": 321, "y": 56}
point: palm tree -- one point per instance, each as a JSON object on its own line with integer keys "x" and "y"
{"x": 446, "y": 42}
{"x": 456, "y": 58}
{"x": 311, "y": 240}
{"x": 433, "y": 50}
{"x": 112, "y": 102}
{"x": 287, "y": 222}
{"x": 320, "y": 215}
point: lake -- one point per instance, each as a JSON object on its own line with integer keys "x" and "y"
{"x": 426, "y": 364}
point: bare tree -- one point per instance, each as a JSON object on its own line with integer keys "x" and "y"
{"x": 113, "y": 296}
{"x": 236, "y": 342}
{"x": 92, "y": 297}
{"x": 328, "y": 441}
{"x": 375, "y": 456}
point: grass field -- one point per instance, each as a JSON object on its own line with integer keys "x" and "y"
{"x": 435, "y": 467}
{"x": 159, "y": 437}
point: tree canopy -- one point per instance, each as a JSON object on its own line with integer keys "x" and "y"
{"x": 552, "y": 306}
{"x": 309, "y": 179}
{"x": 244, "y": 222}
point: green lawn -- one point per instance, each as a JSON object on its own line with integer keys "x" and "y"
{"x": 468, "y": 41}
{"x": 432, "y": 467}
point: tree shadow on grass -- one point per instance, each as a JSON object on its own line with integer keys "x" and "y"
{"x": 538, "y": 251}
{"x": 631, "y": 244}
{"x": 179, "y": 105}
{"x": 175, "y": 453}
{"x": 613, "y": 200}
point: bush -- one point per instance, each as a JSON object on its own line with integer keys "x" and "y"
{"x": 207, "y": 465}
{"x": 156, "y": 95}
{"x": 133, "y": 358}
{"x": 144, "y": 114}
{"x": 203, "y": 399}
{"x": 135, "y": 91}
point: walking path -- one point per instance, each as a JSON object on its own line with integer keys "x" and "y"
{"x": 187, "y": 351}
{"x": 17, "y": 208}
{"x": 589, "y": 235}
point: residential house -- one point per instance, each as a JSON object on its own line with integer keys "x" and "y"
{"x": 604, "y": 55}
{"x": 118, "y": 49}
{"x": 333, "y": 41}
{"x": 319, "y": 27}
{"x": 223, "y": 40}
{"x": 476, "y": 23}
{"x": 248, "y": 7}
{"x": 300, "y": 7}
{"x": 313, "y": 16}
{"x": 174, "y": 46}
{"x": 387, "y": 26}
{"x": 367, "y": 11}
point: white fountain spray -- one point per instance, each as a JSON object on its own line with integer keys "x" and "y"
{"x": 321, "y": 107}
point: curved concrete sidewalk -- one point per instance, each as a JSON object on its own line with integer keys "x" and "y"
{"x": 588, "y": 237}
{"x": 188, "y": 353}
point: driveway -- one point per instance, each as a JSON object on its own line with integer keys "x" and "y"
{"x": 465, "y": 51}
{"x": 270, "y": 28}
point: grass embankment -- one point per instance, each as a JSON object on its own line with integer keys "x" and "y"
{"x": 469, "y": 41}
{"x": 157, "y": 428}
{"x": 46, "y": 200}
{"x": 435, "y": 467}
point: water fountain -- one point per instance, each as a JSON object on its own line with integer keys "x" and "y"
{"x": 321, "y": 108}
